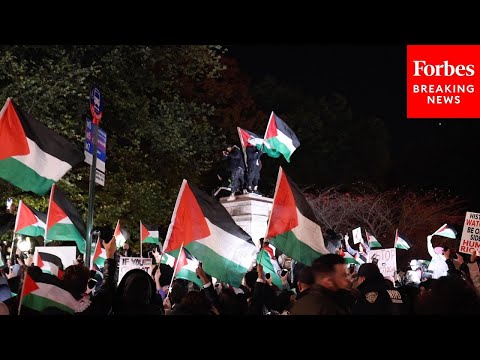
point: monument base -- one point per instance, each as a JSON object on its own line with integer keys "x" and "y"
{"x": 251, "y": 213}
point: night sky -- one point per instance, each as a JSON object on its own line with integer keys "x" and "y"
{"x": 425, "y": 152}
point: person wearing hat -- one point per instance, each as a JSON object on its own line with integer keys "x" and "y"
{"x": 375, "y": 296}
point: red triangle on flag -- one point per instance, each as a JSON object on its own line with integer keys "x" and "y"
{"x": 118, "y": 230}
{"x": 25, "y": 217}
{"x": 12, "y": 136}
{"x": 284, "y": 212}
{"x": 98, "y": 251}
{"x": 55, "y": 212}
{"x": 190, "y": 223}
{"x": 40, "y": 263}
{"x": 28, "y": 285}
{"x": 272, "y": 127}
{"x": 144, "y": 233}
{"x": 182, "y": 261}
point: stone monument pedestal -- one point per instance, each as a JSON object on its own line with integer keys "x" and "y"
{"x": 250, "y": 212}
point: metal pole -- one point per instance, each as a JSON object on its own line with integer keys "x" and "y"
{"x": 91, "y": 197}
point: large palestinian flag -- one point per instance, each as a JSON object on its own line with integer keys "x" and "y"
{"x": 149, "y": 233}
{"x": 30, "y": 222}
{"x": 50, "y": 264}
{"x": 64, "y": 223}
{"x": 293, "y": 227}
{"x": 38, "y": 296}
{"x": 208, "y": 232}
{"x": 279, "y": 138}
{"x": 186, "y": 267}
{"x": 32, "y": 157}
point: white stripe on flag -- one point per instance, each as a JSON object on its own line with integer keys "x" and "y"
{"x": 43, "y": 163}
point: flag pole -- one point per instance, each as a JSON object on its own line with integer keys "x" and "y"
{"x": 91, "y": 193}
{"x": 15, "y": 228}
{"x": 174, "y": 270}
{"x": 243, "y": 147}
{"x": 141, "y": 251}
{"x": 441, "y": 227}
{"x": 21, "y": 294}
{"x": 48, "y": 214}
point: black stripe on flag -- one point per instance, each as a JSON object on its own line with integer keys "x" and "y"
{"x": 287, "y": 131}
{"x": 54, "y": 259}
{"x": 48, "y": 140}
{"x": 218, "y": 215}
{"x": 38, "y": 214}
{"x": 302, "y": 204}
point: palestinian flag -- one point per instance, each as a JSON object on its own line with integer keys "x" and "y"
{"x": 121, "y": 235}
{"x": 208, "y": 232}
{"x": 149, "y": 234}
{"x": 372, "y": 241}
{"x": 401, "y": 242}
{"x": 248, "y": 138}
{"x": 64, "y": 223}
{"x": 167, "y": 260}
{"x": 446, "y": 231}
{"x": 360, "y": 258}
{"x": 186, "y": 268}
{"x": 293, "y": 227}
{"x": 50, "y": 264}
{"x": 279, "y": 138}
{"x": 30, "y": 222}
{"x": 38, "y": 296}
{"x": 99, "y": 255}
{"x": 269, "y": 266}
{"x": 32, "y": 157}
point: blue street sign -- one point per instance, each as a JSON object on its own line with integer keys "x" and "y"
{"x": 101, "y": 146}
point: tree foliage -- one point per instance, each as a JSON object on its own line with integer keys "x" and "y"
{"x": 156, "y": 135}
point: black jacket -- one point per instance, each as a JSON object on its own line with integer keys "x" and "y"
{"x": 102, "y": 301}
{"x": 377, "y": 299}
{"x": 253, "y": 154}
{"x": 234, "y": 159}
{"x": 321, "y": 301}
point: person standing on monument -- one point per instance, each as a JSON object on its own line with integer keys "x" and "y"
{"x": 254, "y": 165}
{"x": 236, "y": 166}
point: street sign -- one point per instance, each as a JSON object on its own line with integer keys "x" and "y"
{"x": 101, "y": 151}
{"x": 96, "y": 104}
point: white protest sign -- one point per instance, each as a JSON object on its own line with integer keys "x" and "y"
{"x": 67, "y": 254}
{"x": 470, "y": 239}
{"x": 129, "y": 263}
{"x": 357, "y": 235}
{"x": 387, "y": 260}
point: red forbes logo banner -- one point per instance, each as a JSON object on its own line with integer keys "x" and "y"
{"x": 442, "y": 81}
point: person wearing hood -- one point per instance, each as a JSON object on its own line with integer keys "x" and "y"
{"x": 236, "y": 166}
{"x": 136, "y": 295}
